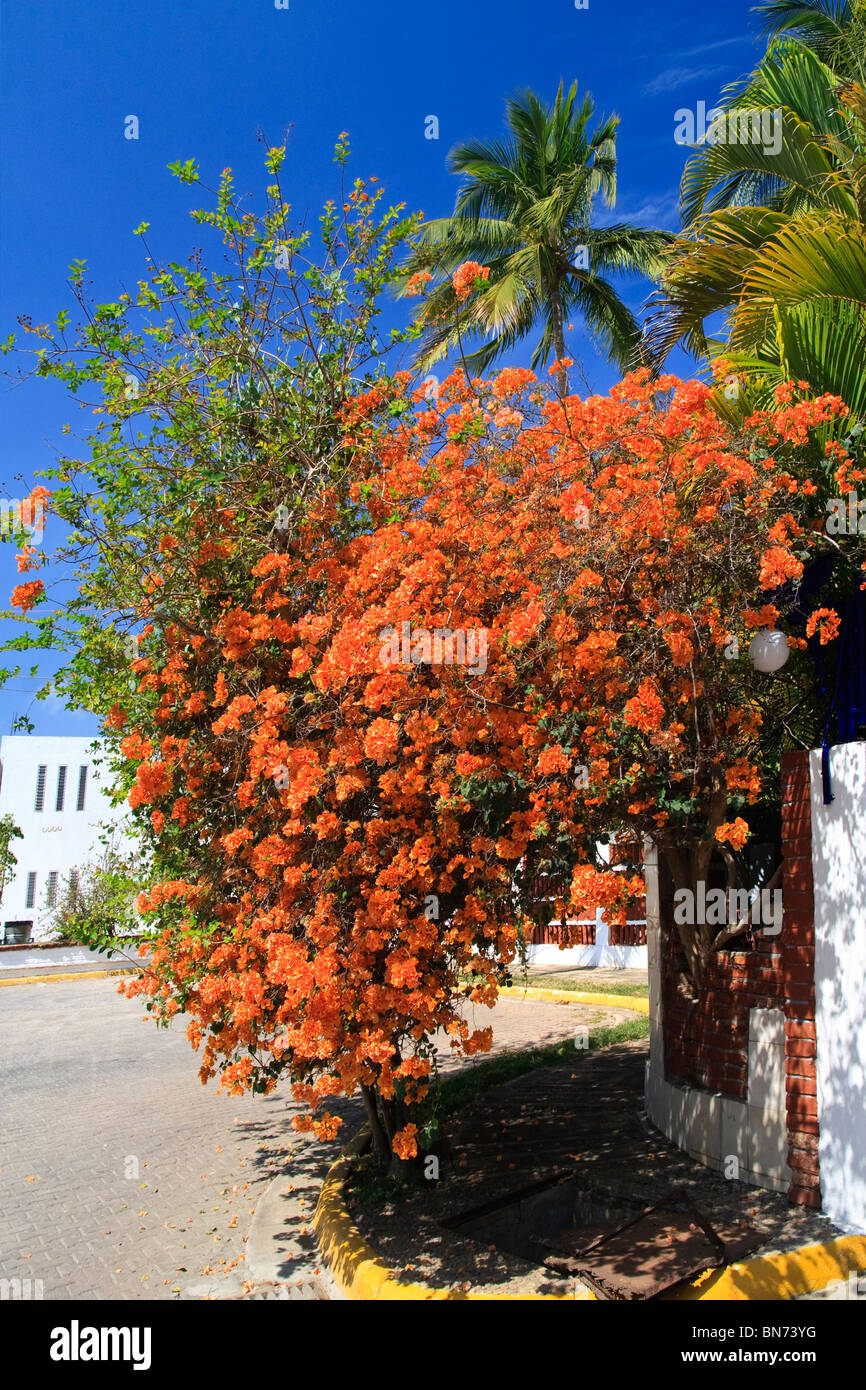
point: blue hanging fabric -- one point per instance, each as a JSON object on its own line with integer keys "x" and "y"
{"x": 825, "y": 771}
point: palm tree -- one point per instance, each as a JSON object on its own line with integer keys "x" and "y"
{"x": 834, "y": 29}
{"x": 525, "y": 211}
{"x": 778, "y": 242}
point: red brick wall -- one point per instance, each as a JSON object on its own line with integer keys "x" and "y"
{"x": 706, "y": 1041}
{"x": 583, "y": 934}
{"x": 798, "y": 964}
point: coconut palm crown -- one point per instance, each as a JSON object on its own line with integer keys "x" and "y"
{"x": 525, "y": 211}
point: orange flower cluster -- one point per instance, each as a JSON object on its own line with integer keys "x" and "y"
{"x": 26, "y": 596}
{"x": 825, "y": 620}
{"x": 415, "y": 284}
{"x": 466, "y": 277}
{"x": 734, "y": 833}
{"x": 645, "y": 710}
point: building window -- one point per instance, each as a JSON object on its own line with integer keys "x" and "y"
{"x": 31, "y": 890}
{"x": 40, "y": 789}
{"x": 82, "y": 787}
{"x": 51, "y": 894}
{"x": 61, "y": 788}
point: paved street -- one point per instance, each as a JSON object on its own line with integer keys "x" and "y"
{"x": 121, "y": 1176}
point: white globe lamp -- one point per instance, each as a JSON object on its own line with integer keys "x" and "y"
{"x": 769, "y": 650}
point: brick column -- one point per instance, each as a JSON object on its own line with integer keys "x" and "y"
{"x": 797, "y": 944}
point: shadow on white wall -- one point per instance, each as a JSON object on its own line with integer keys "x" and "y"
{"x": 839, "y": 870}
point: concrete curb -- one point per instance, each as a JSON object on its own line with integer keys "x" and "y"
{"x": 362, "y": 1276}
{"x": 276, "y": 1251}
{"x": 69, "y": 975}
{"x": 780, "y": 1276}
{"x": 636, "y": 1003}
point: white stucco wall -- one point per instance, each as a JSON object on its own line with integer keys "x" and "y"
{"x": 54, "y": 841}
{"x": 839, "y": 872}
{"x": 49, "y": 959}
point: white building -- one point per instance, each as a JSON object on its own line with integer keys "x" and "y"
{"x": 52, "y": 789}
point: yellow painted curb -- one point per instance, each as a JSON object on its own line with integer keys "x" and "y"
{"x": 80, "y": 975}
{"x": 634, "y": 1002}
{"x": 781, "y": 1276}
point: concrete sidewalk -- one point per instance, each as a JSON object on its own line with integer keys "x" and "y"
{"x": 121, "y": 1176}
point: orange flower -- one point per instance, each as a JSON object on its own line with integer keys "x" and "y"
{"x": 743, "y": 776}
{"x": 512, "y": 379}
{"x": 467, "y": 763}
{"x": 777, "y": 566}
{"x": 553, "y": 760}
{"x": 383, "y": 737}
{"x": 682, "y": 650}
{"x": 827, "y": 619}
{"x": 25, "y": 560}
{"x": 767, "y": 616}
{"x": 116, "y": 717}
{"x": 466, "y": 277}
{"x": 416, "y": 282}
{"x": 479, "y": 1041}
{"x": 327, "y": 1127}
{"x": 734, "y": 833}
{"x": 645, "y": 710}
{"x": 405, "y": 1143}
{"x": 25, "y": 596}
{"x": 151, "y": 781}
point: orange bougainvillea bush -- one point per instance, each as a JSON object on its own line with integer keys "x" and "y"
{"x": 372, "y": 658}
{"x": 529, "y": 645}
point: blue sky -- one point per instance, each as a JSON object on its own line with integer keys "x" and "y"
{"x": 204, "y": 76}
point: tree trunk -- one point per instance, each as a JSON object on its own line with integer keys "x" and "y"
{"x": 394, "y": 1118}
{"x": 381, "y": 1141}
{"x": 558, "y": 338}
{"x": 680, "y": 872}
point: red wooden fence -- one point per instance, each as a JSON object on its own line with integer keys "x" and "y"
{"x": 547, "y": 887}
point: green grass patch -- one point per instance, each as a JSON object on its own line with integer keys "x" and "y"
{"x": 368, "y": 1186}
{"x": 565, "y": 982}
{"x": 582, "y": 986}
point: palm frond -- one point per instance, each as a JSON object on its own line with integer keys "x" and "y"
{"x": 794, "y": 82}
